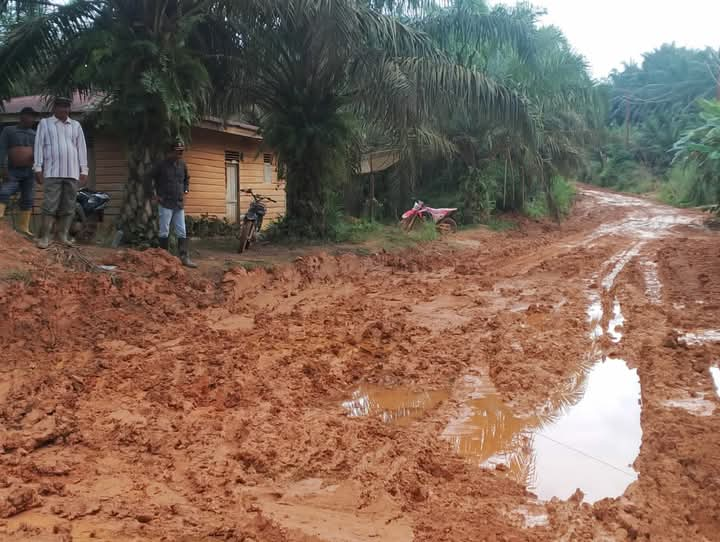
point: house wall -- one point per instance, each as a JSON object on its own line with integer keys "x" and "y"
{"x": 205, "y": 157}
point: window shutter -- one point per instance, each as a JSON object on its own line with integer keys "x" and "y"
{"x": 267, "y": 168}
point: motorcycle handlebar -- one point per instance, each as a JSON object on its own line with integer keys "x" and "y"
{"x": 257, "y": 197}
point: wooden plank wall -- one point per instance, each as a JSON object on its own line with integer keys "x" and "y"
{"x": 206, "y": 161}
{"x": 108, "y": 173}
{"x": 205, "y": 157}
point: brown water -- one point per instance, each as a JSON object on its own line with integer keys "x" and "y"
{"x": 397, "y": 405}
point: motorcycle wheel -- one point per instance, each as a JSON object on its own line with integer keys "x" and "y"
{"x": 411, "y": 223}
{"x": 447, "y": 226}
{"x": 246, "y": 235}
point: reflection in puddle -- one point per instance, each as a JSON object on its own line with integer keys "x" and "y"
{"x": 700, "y": 337}
{"x": 595, "y": 314}
{"x": 587, "y": 444}
{"x": 618, "y": 321}
{"x": 393, "y": 405}
{"x": 715, "y": 373}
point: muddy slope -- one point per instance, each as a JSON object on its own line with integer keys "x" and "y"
{"x": 157, "y": 405}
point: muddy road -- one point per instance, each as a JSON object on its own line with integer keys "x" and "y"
{"x": 551, "y": 383}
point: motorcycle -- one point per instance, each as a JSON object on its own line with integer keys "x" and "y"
{"x": 89, "y": 212}
{"x": 252, "y": 222}
{"x": 421, "y": 213}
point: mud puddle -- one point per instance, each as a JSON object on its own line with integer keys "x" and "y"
{"x": 589, "y": 442}
{"x": 393, "y": 405}
{"x": 715, "y": 373}
{"x": 700, "y": 337}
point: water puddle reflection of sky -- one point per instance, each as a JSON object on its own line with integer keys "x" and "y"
{"x": 588, "y": 439}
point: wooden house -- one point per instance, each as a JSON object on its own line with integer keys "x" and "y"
{"x": 223, "y": 158}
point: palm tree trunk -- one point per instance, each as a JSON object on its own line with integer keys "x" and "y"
{"x": 138, "y": 217}
{"x": 307, "y": 199}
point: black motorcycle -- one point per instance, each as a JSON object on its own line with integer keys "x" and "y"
{"x": 89, "y": 212}
{"x": 252, "y": 222}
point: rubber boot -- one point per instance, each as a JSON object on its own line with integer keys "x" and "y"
{"x": 185, "y": 254}
{"x": 23, "y": 225}
{"x": 64, "y": 230}
{"x": 3, "y": 206}
{"x": 47, "y": 225}
{"x": 164, "y": 242}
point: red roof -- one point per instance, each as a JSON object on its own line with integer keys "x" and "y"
{"x": 43, "y": 104}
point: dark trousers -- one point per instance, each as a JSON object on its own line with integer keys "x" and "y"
{"x": 19, "y": 180}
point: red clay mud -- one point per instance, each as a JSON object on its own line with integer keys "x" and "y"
{"x": 152, "y": 403}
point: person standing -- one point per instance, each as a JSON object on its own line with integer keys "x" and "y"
{"x": 16, "y": 161}
{"x": 166, "y": 184}
{"x": 61, "y": 164}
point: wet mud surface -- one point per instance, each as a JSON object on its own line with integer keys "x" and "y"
{"x": 551, "y": 383}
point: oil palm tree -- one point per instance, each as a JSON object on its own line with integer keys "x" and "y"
{"x": 325, "y": 74}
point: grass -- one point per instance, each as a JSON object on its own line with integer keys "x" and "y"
{"x": 501, "y": 224}
{"x": 563, "y": 194}
{"x": 17, "y": 275}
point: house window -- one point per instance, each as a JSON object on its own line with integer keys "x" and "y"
{"x": 232, "y": 157}
{"x": 267, "y": 168}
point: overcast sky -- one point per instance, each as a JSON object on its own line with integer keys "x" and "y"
{"x": 609, "y": 32}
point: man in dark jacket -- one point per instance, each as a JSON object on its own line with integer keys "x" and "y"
{"x": 16, "y": 163}
{"x": 167, "y": 183}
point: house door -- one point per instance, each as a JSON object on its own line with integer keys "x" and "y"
{"x": 232, "y": 185}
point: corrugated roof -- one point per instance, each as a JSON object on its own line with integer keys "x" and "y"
{"x": 43, "y": 104}
{"x": 87, "y": 104}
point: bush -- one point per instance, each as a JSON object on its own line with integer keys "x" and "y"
{"x": 478, "y": 193}
{"x": 563, "y": 194}
{"x": 208, "y": 226}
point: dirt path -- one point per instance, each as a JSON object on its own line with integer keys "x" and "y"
{"x": 462, "y": 392}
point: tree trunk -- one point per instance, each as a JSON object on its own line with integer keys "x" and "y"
{"x": 307, "y": 199}
{"x": 138, "y": 217}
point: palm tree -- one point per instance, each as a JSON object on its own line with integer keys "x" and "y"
{"x": 324, "y": 75}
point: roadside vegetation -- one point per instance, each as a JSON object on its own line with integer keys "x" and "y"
{"x": 662, "y": 131}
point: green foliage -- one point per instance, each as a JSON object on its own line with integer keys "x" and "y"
{"x": 699, "y": 149}
{"x": 478, "y": 193}
{"x": 660, "y": 99}
{"x": 208, "y": 226}
{"x": 680, "y": 185}
{"x": 561, "y": 196}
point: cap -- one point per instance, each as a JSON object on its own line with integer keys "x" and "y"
{"x": 27, "y": 111}
{"x": 61, "y": 100}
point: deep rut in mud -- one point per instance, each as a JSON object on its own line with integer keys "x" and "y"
{"x": 462, "y": 391}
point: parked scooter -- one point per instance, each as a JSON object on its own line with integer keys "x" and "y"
{"x": 421, "y": 213}
{"x": 252, "y": 222}
{"x": 89, "y": 212}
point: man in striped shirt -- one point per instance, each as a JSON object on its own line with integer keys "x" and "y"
{"x": 61, "y": 165}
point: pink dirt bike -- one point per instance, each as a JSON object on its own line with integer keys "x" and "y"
{"x": 420, "y": 213}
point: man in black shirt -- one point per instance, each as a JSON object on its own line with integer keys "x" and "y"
{"x": 167, "y": 183}
{"x": 16, "y": 162}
